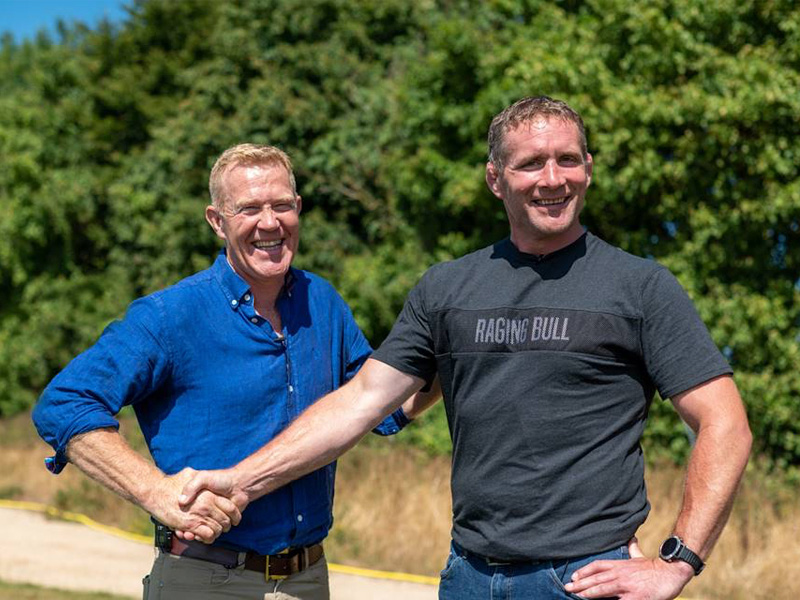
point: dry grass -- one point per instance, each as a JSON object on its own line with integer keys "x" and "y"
{"x": 393, "y": 512}
{"x": 758, "y": 554}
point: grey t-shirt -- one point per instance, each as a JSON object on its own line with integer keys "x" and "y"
{"x": 548, "y": 366}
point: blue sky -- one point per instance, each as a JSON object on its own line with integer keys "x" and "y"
{"x": 23, "y": 18}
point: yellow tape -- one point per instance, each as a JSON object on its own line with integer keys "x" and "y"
{"x": 383, "y": 574}
{"x": 134, "y": 537}
{"x": 57, "y": 513}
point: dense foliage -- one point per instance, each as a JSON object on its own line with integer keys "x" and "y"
{"x": 693, "y": 115}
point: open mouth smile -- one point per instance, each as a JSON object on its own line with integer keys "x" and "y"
{"x": 268, "y": 244}
{"x": 551, "y": 201}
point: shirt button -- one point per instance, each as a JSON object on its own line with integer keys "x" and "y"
{"x": 234, "y": 302}
{"x": 291, "y": 388}
{"x": 247, "y": 297}
{"x": 300, "y": 518}
{"x": 254, "y": 319}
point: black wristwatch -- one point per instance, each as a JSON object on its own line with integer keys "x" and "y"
{"x": 674, "y": 549}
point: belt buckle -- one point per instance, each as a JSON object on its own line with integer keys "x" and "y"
{"x": 267, "y": 576}
{"x": 491, "y": 562}
{"x": 494, "y": 562}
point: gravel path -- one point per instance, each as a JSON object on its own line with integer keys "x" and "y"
{"x": 37, "y": 550}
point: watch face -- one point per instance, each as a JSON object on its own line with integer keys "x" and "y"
{"x": 669, "y": 547}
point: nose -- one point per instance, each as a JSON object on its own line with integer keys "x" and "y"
{"x": 553, "y": 176}
{"x": 267, "y": 219}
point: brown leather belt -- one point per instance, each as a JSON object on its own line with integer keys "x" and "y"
{"x": 274, "y": 566}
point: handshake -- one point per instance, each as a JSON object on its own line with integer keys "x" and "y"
{"x": 198, "y": 505}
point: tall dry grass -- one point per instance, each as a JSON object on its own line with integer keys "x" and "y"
{"x": 393, "y": 512}
{"x": 758, "y": 553}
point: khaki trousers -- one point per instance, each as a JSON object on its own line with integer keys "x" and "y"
{"x": 179, "y": 578}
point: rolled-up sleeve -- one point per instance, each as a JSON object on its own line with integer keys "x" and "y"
{"x": 128, "y": 362}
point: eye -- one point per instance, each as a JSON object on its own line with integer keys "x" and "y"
{"x": 248, "y": 209}
{"x": 533, "y": 164}
{"x": 283, "y": 207}
{"x": 570, "y": 160}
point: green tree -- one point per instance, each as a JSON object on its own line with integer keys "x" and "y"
{"x": 693, "y": 115}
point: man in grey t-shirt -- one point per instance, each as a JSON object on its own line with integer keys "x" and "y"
{"x": 549, "y": 347}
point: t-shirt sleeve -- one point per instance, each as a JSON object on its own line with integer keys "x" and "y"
{"x": 678, "y": 350}
{"x": 409, "y": 346}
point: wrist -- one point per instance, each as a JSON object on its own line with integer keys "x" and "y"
{"x": 243, "y": 484}
{"x": 680, "y": 568}
{"x": 674, "y": 551}
{"x": 150, "y": 490}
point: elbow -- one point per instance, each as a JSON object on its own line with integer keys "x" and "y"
{"x": 729, "y": 434}
{"x": 739, "y": 438}
{"x": 36, "y": 416}
{"x": 746, "y": 438}
{"x": 42, "y": 417}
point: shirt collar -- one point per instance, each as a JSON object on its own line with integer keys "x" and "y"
{"x": 235, "y": 288}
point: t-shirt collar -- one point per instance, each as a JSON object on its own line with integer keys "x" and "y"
{"x": 512, "y": 252}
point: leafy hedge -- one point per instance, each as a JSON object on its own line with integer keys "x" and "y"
{"x": 693, "y": 114}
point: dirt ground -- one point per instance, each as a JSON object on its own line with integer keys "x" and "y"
{"x": 37, "y": 550}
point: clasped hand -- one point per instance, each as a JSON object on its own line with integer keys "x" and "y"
{"x": 203, "y": 516}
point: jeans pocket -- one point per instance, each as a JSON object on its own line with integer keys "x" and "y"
{"x": 563, "y": 570}
{"x": 452, "y": 560}
{"x": 561, "y": 574}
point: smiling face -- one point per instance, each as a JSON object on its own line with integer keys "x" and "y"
{"x": 259, "y": 219}
{"x": 542, "y": 184}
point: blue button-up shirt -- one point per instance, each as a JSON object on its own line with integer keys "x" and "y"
{"x": 211, "y": 383}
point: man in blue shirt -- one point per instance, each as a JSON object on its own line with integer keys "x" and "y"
{"x": 215, "y": 367}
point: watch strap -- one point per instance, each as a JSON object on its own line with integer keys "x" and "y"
{"x": 683, "y": 553}
{"x": 690, "y": 557}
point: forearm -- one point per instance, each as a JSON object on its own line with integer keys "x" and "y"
{"x": 325, "y": 430}
{"x": 105, "y": 456}
{"x": 713, "y": 474}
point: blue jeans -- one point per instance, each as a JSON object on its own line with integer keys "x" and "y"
{"x": 469, "y": 577}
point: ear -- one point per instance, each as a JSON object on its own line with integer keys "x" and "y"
{"x": 493, "y": 180}
{"x": 215, "y": 220}
{"x": 589, "y": 169}
{"x": 299, "y": 201}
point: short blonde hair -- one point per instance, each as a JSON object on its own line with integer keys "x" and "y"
{"x": 245, "y": 155}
